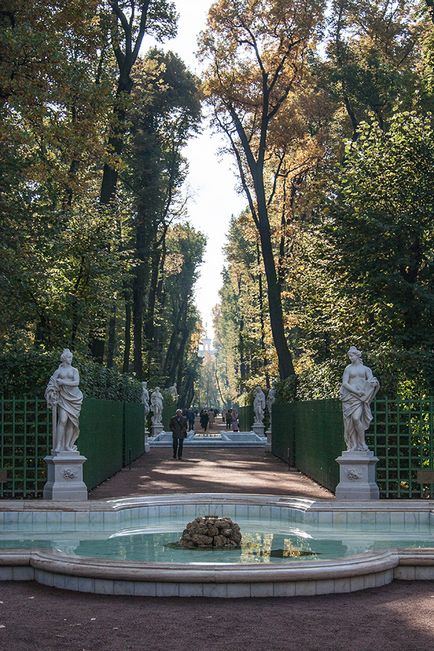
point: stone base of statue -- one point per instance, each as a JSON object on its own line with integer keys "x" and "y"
{"x": 156, "y": 428}
{"x": 65, "y": 477}
{"x": 357, "y": 476}
{"x": 259, "y": 429}
{"x": 147, "y": 446}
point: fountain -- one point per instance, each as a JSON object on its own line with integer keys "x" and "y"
{"x": 290, "y": 546}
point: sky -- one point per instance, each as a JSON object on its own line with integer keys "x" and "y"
{"x": 212, "y": 178}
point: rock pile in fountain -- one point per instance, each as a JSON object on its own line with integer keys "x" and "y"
{"x": 211, "y": 531}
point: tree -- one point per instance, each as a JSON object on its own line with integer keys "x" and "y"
{"x": 165, "y": 113}
{"x": 367, "y": 267}
{"x": 131, "y": 20}
{"x": 372, "y": 54}
{"x": 257, "y": 53}
{"x": 385, "y": 200}
{"x": 55, "y": 96}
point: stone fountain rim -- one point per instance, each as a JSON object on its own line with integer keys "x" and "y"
{"x": 296, "y": 577}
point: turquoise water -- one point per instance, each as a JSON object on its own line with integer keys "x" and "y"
{"x": 263, "y": 542}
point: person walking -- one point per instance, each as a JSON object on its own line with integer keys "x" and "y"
{"x": 204, "y": 418}
{"x": 190, "y": 418}
{"x": 229, "y": 419}
{"x": 211, "y": 417}
{"x": 178, "y": 427}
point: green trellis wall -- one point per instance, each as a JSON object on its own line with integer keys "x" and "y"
{"x": 111, "y": 435}
{"x": 309, "y": 435}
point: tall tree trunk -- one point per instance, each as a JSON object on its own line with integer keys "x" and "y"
{"x": 243, "y": 367}
{"x": 286, "y": 367}
{"x": 262, "y": 320}
{"x": 139, "y": 284}
{"x": 149, "y": 324}
{"x": 127, "y": 335}
{"x": 111, "y": 345}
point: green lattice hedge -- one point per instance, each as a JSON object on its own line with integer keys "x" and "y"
{"x": 111, "y": 435}
{"x": 309, "y": 436}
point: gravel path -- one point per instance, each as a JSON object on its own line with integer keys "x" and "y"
{"x": 398, "y": 617}
{"x": 209, "y": 470}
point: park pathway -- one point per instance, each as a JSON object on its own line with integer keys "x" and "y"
{"x": 209, "y": 470}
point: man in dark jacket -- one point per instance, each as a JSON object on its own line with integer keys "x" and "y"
{"x": 178, "y": 427}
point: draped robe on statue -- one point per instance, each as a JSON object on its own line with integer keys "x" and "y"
{"x": 67, "y": 398}
{"x": 351, "y": 403}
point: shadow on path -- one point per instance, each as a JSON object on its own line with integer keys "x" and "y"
{"x": 207, "y": 470}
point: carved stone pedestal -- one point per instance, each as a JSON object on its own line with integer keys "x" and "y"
{"x": 156, "y": 428}
{"x": 259, "y": 429}
{"x": 357, "y": 476}
{"x": 147, "y": 446}
{"x": 65, "y": 477}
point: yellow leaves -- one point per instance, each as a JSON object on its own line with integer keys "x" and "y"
{"x": 173, "y": 264}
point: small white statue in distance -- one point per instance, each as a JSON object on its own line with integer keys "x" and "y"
{"x": 259, "y": 405}
{"x": 271, "y": 399}
{"x": 173, "y": 391}
{"x": 358, "y": 389}
{"x": 65, "y": 399}
{"x": 145, "y": 398}
{"x": 156, "y": 406}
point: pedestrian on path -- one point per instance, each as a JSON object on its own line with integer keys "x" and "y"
{"x": 190, "y": 418}
{"x": 235, "y": 424}
{"x": 204, "y": 418}
{"x": 178, "y": 427}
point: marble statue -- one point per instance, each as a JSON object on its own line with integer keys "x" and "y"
{"x": 358, "y": 389}
{"x": 173, "y": 391}
{"x": 65, "y": 399}
{"x": 156, "y": 406}
{"x": 145, "y": 398}
{"x": 259, "y": 405}
{"x": 271, "y": 399}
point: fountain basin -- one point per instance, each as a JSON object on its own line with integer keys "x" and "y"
{"x": 222, "y": 439}
{"x": 391, "y": 525}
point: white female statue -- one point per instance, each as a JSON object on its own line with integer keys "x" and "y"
{"x": 156, "y": 406}
{"x": 145, "y": 398}
{"x": 358, "y": 389}
{"x": 65, "y": 399}
{"x": 173, "y": 391}
{"x": 271, "y": 399}
{"x": 259, "y": 405}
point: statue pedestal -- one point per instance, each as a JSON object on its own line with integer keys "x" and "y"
{"x": 156, "y": 428}
{"x": 259, "y": 429}
{"x": 357, "y": 476}
{"x": 65, "y": 477}
{"x": 147, "y": 446}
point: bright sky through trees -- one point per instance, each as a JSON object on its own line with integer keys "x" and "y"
{"x": 212, "y": 177}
